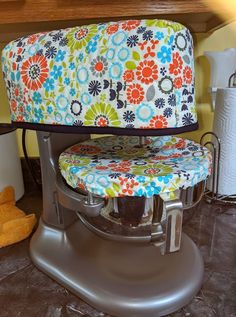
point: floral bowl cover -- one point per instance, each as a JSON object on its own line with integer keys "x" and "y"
{"x": 116, "y": 166}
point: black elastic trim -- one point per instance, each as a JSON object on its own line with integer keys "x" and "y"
{"x": 108, "y": 130}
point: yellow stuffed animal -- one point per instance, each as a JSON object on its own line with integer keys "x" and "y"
{"x": 14, "y": 224}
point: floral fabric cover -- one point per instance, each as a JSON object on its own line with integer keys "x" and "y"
{"x": 128, "y": 74}
{"x": 118, "y": 166}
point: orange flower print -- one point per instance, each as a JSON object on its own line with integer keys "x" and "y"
{"x": 178, "y": 82}
{"x": 81, "y": 186}
{"x": 176, "y": 65}
{"x": 20, "y": 118}
{"x": 112, "y": 28}
{"x": 127, "y": 190}
{"x": 102, "y": 121}
{"x": 14, "y": 66}
{"x": 149, "y": 53}
{"x": 85, "y": 149}
{"x": 123, "y": 181}
{"x": 162, "y": 157}
{"x": 142, "y": 45}
{"x": 147, "y": 72}
{"x": 99, "y": 66}
{"x": 128, "y": 76}
{"x": 152, "y": 171}
{"x": 13, "y": 105}
{"x": 180, "y": 144}
{"x": 188, "y": 75}
{"x": 154, "y": 43}
{"x": 125, "y": 163}
{"x": 135, "y": 94}
{"x": 121, "y": 169}
{"x": 32, "y": 38}
{"x": 133, "y": 183}
{"x": 130, "y": 25}
{"x": 101, "y": 168}
{"x": 34, "y": 72}
{"x": 19, "y": 51}
{"x": 128, "y": 185}
{"x": 158, "y": 122}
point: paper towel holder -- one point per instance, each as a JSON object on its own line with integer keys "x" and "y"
{"x": 232, "y": 81}
{"x": 212, "y": 195}
{"x": 222, "y": 65}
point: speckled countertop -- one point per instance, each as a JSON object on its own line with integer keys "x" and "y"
{"x": 26, "y": 292}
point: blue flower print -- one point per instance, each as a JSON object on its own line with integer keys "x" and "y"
{"x": 98, "y": 191}
{"x": 38, "y": 114}
{"x": 168, "y": 112}
{"x": 118, "y": 38}
{"x": 28, "y": 108}
{"x": 51, "y": 52}
{"x": 163, "y": 71}
{"x": 37, "y": 98}
{"x": 165, "y": 54}
{"x": 56, "y": 72}
{"x": 91, "y": 47}
{"x": 115, "y": 70}
{"x": 165, "y": 179}
{"x": 81, "y": 57}
{"x": 114, "y": 175}
{"x": 140, "y": 193}
{"x": 62, "y": 102}
{"x": 72, "y": 65}
{"x": 178, "y": 97}
{"x": 144, "y": 112}
{"x": 49, "y": 109}
{"x": 103, "y": 181}
{"x": 72, "y": 92}
{"x": 159, "y": 35}
{"x": 132, "y": 40}
{"x": 63, "y": 41}
{"x": 101, "y": 26}
{"x": 66, "y": 81}
{"x": 148, "y": 35}
{"x": 141, "y": 29}
{"x": 60, "y": 56}
{"x": 49, "y": 84}
{"x": 171, "y": 40}
{"x": 141, "y": 179}
{"x": 123, "y": 54}
{"x": 188, "y": 119}
{"x": 89, "y": 179}
{"x": 160, "y": 103}
{"x": 152, "y": 189}
{"x": 33, "y": 49}
{"x": 76, "y": 169}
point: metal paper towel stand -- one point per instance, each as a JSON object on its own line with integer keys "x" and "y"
{"x": 212, "y": 195}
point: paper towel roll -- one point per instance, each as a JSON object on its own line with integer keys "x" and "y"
{"x": 225, "y": 128}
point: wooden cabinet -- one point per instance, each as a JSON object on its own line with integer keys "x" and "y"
{"x": 20, "y": 17}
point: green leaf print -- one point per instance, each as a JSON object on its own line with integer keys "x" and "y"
{"x": 165, "y": 24}
{"x": 110, "y": 192}
{"x": 136, "y": 56}
{"x": 130, "y": 65}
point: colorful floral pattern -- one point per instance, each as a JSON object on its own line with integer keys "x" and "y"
{"x": 118, "y": 166}
{"x": 136, "y": 73}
